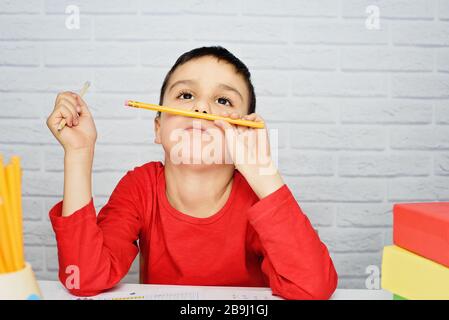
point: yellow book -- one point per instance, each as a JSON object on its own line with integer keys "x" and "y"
{"x": 412, "y": 276}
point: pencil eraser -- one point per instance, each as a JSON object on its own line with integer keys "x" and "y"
{"x": 126, "y": 103}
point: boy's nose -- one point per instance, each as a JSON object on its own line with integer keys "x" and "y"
{"x": 201, "y": 109}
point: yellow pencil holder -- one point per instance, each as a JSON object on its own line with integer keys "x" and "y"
{"x": 19, "y": 285}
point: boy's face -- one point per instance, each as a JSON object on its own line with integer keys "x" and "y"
{"x": 206, "y": 85}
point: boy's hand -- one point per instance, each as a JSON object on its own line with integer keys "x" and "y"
{"x": 80, "y": 132}
{"x": 251, "y": 153}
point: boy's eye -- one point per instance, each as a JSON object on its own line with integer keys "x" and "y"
{"x": 185, "y": 95}
{"x": 224, "y": 101}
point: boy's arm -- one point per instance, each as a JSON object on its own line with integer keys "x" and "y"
{"x": 96, "y": 253}
{"x": 295, "y": 261}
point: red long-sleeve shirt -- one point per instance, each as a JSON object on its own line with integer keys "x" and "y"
{"x": 249, "y": 242}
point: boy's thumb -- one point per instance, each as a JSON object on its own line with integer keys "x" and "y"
{"x": 83, "y": 104}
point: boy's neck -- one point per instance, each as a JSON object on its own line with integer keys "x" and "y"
{"x": 198, "y": 190}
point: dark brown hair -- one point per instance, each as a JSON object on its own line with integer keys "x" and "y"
{"x": 221, "y": 54}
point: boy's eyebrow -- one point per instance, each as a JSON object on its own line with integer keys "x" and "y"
{"x": 229, "y": 88}
{"x": 181, "y": 82}
{"x": 221, "y": 85}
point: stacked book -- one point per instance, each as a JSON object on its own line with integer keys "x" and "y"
{"x": 416, "y": 266}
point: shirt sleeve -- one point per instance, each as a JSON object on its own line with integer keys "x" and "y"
{"x": 295, "y": 261}
{"x": 95, "y": 253}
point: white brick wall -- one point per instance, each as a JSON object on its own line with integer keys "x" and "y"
{"x": 363, "y": 115}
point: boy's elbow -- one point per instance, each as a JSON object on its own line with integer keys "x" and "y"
{"x": 324, "y": 289}
{"x": 321, "y": 287}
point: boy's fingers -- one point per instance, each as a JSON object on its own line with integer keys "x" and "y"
{"x": 62, "y": 95}
{"x": 71, "y": 107}
{"x": 68, "y": 98}
{"x": 223, "y": 124}
{"x": 83, "y": 105}
{"x": 251, "y": 117}
{"x": 65, "y": 113}
{"x": 235, "y": 115}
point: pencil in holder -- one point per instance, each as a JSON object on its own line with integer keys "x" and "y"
{"x": 17, "y": 279}
{"x": 19, "y": 285}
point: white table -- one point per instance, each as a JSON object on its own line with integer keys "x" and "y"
{"x": 53, "y": 290}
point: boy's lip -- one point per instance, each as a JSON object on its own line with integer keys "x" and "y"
{"x": 201, "y": 127}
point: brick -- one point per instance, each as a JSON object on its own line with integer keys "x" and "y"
{"x": 356, "y": 215}
{"x": 124, "y": 132}
{"x": 441, "y": 188}
{"x": 42, "y": 184}
{"x": 423, "y": 86}
{"x": 355, "y": 264}
{"x": 289, "y": 58}
{"x": 411, "y": 189}
{"x": 386, "y": 59}
{"x": 105, "y": 182}
{"x": 155, "y": 55}
{"x": 91, "y": 55}
{"x": 215, "y": 7}
{"x": 420, "y": 33}
{"x": 336, "y": 138}
{"x": 51, "y": 258}
{"x": 443, "y": 9}
{"x": 398, "y": 9}
{"x": 129, "y": 81}
{"x": 336, "y": 190}
{"x": 442, "y": 164}
{"x": 26, "y": 106}
{"x": 245, "y": 30}
{"x": 294, "y": 162}
{"x": 336, "y": 32}
{"x": 339, "y": 85}
{"x": 32, "y": 209}
{"x": 52, "y": 80}
{"x": 270, "y": 83}
{"x": 386, "y": 111}
{"x": 364, "y": 240}
{"x": 382, "y": 165}
{"x": 35, "y": 256}
{"x": 28, "y": 131}
{"x": 30, "y": 156}
{"x": 297, "y": 8}
{"x": 442, "y": 112}
{"x": 92, "y": 7}
{"x": 43, "y": 28}
{"x": 419, "y": 138}
{"x": 38, "y": 233}
{"x": 17, "y": 54}
{"x": 320, "y": 215}
{"x": 15, "y": 7}
{"x": 443, "y": 60}
{"x": 297, "y": 110}
{"x": 141, "y": 28}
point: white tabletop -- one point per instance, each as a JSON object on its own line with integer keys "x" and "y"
{"x": 53, "y": 290}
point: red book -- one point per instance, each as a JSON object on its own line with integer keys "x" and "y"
{"x": 423, "y": 228}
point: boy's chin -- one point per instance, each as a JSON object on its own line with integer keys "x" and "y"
{"x": 201, "y": 164}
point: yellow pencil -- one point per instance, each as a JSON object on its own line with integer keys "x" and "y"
{"x": 186, "y": 113}
{"x": 3, "y": 240}
{"x": 5, "y": 259}
{"x": 15, "y": 162}
{"x": 12, "y": 215}
{"x": 7, "y": 244}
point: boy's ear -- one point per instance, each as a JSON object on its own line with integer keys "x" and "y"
{"x": 157, "y": 130}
